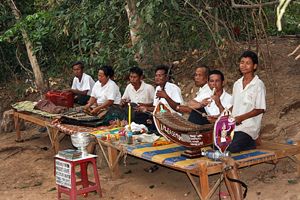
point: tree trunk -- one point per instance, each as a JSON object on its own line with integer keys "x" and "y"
{"x": 32, "y": 58}
{"x": 134, "y": 25}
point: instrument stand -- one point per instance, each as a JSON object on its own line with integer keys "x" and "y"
{"x": 192, "y": 153}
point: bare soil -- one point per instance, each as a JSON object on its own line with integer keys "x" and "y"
{"x": 27, "y": 168}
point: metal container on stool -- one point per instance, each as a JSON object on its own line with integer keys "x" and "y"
{"x": 81, "y": 140}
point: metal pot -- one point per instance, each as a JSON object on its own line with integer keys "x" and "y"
{"x": 81, "y": 140}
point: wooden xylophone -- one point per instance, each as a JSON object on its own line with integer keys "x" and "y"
{"x": 179, "y": 130}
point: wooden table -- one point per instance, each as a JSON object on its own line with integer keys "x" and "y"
{"x": 39, "y": 120}
{"x": 202, "y": 167}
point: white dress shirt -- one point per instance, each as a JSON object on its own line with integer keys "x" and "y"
{"x": 173, "y": 91}
{"x": 110, "y": 91}
{"x": 253, "y": 96}
{"x": 203, "y": 92}
{"x": 226, "y": 101}
{"x": 86, "y": 83}
{"x": 144, "y": 94}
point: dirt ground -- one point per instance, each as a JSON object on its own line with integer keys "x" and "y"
{"x": 27, "y": 168}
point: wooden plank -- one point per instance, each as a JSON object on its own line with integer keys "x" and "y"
{"x": 203, "y": 179}
{"x": 112, "y": 157}
{"x": 17, "y": 126}
{"x": 54, "y": 139}
{"x": 33, "y": 119}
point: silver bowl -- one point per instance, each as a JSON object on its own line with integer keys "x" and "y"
{"x": 81, "y": 140}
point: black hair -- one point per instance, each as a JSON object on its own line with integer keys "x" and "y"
{"x": 206, "y": 68}
{"x": 251, "y": 55}
{"x": 80, "y": 63}
{"x": 108, "y": 71}
{"x": 218, "y": 73}
{"x": 137, "y": 71}
{"x": 165, "y": 68}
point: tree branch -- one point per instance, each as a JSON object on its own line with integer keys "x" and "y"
{"x": 252, "y": 5}
{"x": 209, "y": 28}
{"x": 21, "y": 64}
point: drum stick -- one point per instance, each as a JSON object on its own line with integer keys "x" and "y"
{"x": 197, "y": 111}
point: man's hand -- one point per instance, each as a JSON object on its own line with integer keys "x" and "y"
{"x": 206, "y": 101}
{"x": 216, "y": 98}
{"x": 87, "y": 108}
{"x": 238, "y": 120}
{"x": 162, "y": 94}
{"x": 141, "y": 108}
{"x": 212, "y": 118}
{"x": 96, "y": 110}
{"x": 124, "y": 102}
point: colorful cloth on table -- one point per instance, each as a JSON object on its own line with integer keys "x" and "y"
{"x": 170, "y": 155}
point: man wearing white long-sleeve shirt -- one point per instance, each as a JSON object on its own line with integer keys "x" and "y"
{"x": 82, "y": 84}
{"x": 165, "y": 92}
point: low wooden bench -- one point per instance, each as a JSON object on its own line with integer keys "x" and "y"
{"x": 170, "y": 156}
{"x": 41, "y": 121}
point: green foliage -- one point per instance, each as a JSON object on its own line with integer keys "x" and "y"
{"x": 94, "y": 32}
{"x": 97, "y": 32}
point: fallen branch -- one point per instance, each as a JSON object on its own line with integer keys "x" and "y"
{"x": 287, "y": 108}
{"x": 13, "y": 153}
{"x": 297, "y": 48}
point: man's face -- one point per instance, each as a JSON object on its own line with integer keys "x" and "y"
{"x": 247, "y": 65}
{"x": 200, "y": 77}
{"x": 160, "y": 77}
{"x": 134, "y": 79}
{"x": 215, "y": 81}
{"x": 78, "y": 71}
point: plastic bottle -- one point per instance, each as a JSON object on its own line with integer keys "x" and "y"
{"x": 215, "y": 155}
{"x": 129, "y": 138}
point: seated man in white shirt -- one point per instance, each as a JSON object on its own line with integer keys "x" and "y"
{"x": 165, "y": 92}
{"x": 82, "y": 84}
{"x": 211, "y": 100}
{"x": 200, "y": 78}
{"x": 138, "y": 93}
{"x": 249, "y": 104}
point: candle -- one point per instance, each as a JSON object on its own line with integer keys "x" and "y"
{"x": 129, "y": 116}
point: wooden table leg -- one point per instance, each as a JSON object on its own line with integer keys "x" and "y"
{"x": 203, "y": 178}
{"x": 112, "y": 157}
{"x": 54, "y": 139}
{"x": 17, "y": 127}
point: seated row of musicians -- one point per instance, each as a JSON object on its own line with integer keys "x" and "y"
{"x": 143, "y": 97}
{"x": 211, "y": 97}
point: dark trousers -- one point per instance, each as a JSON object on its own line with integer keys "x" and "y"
{"x": 140, "y": 117}
{"x": 81, "y": 99}
{"x": 241, "y": 142}
{"x": 197, "y": 118}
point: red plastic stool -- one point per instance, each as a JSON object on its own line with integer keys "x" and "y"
{"x": 64, "y": 170}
